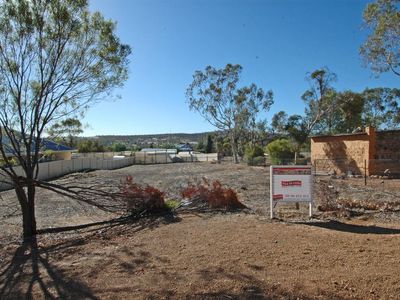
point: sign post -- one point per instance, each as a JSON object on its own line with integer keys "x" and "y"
{"x": 291, "y": 184}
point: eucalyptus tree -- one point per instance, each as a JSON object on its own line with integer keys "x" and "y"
{"x": 381, "y": 51}
{"x": 320, "y": 100}
{"x": 66, "y": 131}
{"x": 56, "y": 59}
{"x": 381, "y": 108}
{"x": 215, "y": 95}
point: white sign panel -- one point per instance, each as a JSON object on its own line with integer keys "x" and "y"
{"x": 291, "y": 184}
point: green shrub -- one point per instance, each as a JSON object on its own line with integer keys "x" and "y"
{"x": 90, "y": 146}
{"x": 172, "y": 204}
{"x": 253, "y": 152}
{"x": 279, "y": 151}
{"x": 118, "y": 147}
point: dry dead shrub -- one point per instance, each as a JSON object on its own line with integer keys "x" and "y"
{"x": 214, "y": 195}
{"x": 327, "y": 197}
{"x": 368, "y": 205}
{"x": 141, "y": 198}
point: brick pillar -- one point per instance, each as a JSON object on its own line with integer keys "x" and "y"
{"x": 371, "y": 149}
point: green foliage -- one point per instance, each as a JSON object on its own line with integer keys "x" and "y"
{"x": 254, "y": 155}
{"x": 223, "y": 146}
{"x": 65, "y": 131}
{"x": 381, "y": 108}
{"x": 349, "y": 112}
{"x": 320, "y": 100}
{"x": 215, "y": 95}
{"x": 10, "y": 161}
{"x": 206, "y": 145}
{"x": 118, "y": 147}
{"x": 209, "y": 144}
{"x": 56, "y": 59}
{"x": 296, "y": 128}
{"x": 200, "y": 146}
{"x": 280, "y": 151}
{"x": 135, "y": 148}
{"x": 381, "y": 51}
{"x": 90, "y": 146}
{"x": 278, "y": 122}
{"x": 172, "y": 204}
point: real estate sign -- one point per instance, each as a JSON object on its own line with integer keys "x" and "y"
{"x": 290, "y": 184}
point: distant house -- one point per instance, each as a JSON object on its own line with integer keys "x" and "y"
{"x": 49, "y": 150}
{"x": 184, "y": 147}
{"x": 58, "y": 151}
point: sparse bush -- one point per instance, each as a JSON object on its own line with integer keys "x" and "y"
{"x": 90, "y": 146}
{"x": 280, "y": 150}
{"x": 254, "y": 155}
{"x": 214, "y": 195}
{"x": 172, "y": 204}
{"x": 142, "y": 198}
{"x": 118, "y": 147}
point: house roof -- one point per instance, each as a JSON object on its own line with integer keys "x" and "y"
{"x": 50, "y": 145}
{"x": 45, "y": 145}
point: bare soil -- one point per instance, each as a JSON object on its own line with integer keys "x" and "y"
{"x": 343, "y": 254}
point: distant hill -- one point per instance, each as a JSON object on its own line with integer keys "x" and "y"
{"x": 150, "y": 139}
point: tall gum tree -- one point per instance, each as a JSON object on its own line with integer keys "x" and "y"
{"x": 215, "y": 95}
{"x": 56, "y": 59}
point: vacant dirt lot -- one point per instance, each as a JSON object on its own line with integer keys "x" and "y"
{"x": 345, "y": 254}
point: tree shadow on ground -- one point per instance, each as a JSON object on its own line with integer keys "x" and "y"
{"x": 142, "y": 221}
{"x": 352, "y": 228}
{"x": 31, "y": 274}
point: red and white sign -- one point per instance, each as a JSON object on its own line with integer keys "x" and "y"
{"x": 290, "y": 184}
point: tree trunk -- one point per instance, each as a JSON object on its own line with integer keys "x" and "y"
{"x": 27, "y": 203}
{"x": 234, "y": 149}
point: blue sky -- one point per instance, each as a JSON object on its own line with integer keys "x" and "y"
{"x": 276, "y": 42}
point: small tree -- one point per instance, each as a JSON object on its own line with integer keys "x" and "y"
{"x": 118, "y": 147}
{"x": 215, "y": 95}
{"x": 209, "y": 144}
{"x": 297, "y": 130}
{"x": 279, "y": 151}
{"x": 254, "y": 154}
{"x": 56, "y": 59}
{"x": 88, "y": 146}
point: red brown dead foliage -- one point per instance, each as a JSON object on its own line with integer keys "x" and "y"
{"x": 214, "y": 194}
{"x": 140, "y": 198}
